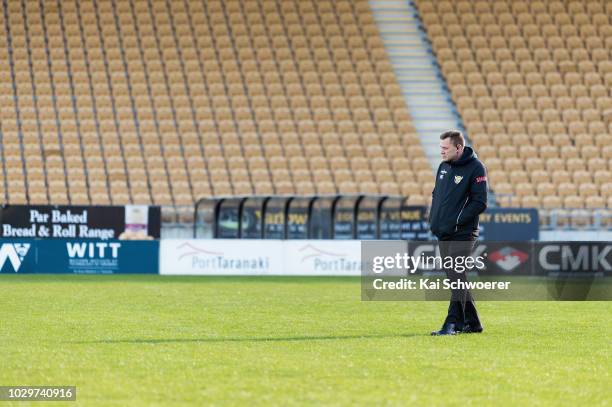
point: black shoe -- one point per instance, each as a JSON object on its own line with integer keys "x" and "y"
{"x": 447, "y": 329}
{"x": 468, "y": 329}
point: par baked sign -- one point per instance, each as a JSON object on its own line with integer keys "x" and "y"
{"x": 79, "y": 222}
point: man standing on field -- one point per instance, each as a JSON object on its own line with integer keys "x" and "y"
{"x": 458, "y": 198}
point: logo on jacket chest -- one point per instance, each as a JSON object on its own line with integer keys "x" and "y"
{"x": 442, "y": 174}
{"x": 458, "y": 179}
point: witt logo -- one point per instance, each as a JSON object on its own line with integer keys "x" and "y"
{"x": 93, "y": 250}
{"x": 14, "y": 253}
{"x": 509, "y": 258}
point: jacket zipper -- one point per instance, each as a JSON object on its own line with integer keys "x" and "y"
{"x": 462, "y": 208}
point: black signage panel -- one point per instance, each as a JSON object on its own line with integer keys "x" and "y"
{"x": 80, "y": 222}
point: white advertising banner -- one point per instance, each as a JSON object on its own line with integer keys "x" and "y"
{"x": 322, "y": 257}
{"x": 260, "y": 257}
{"x": 221, "y": 257}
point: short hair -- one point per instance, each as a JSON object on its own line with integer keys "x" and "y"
{"x": 455, "y": 136}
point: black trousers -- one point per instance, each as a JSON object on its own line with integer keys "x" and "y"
{"x": 462, "y": 308}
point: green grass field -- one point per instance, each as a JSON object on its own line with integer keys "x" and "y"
{"x": 153, "y": 340}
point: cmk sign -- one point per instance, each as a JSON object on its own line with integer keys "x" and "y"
{"x": 587, "y": 257}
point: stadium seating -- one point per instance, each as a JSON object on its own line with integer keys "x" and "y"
{"x": 168, "y": 101}
{"x": 532, "y": 80}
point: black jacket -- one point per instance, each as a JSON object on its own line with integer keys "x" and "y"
{"x": 460, "y": 195}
